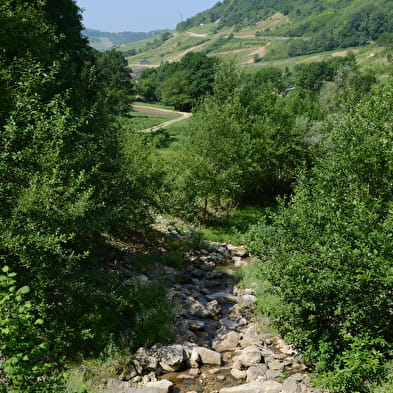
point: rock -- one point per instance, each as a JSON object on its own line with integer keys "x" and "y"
{"x": 249, "y": 291}
{"x": 236, "y": 259}
{"x": 172, "y": 357}
{"x": 194, "y": 358}
{"x": 162, "y": 386}
{"x": 256, "y": 372}
{"x": 141, "y": 279}
{"x": 273, "y": 374}
{"x": 113, "y": 382}
{"x": 226, "y": 342}
{"x": 293, "y": 384}
{"x": 240, "y": 263}
{"x": 255, "y": 387}
{"x": 274, "y": 364}
{"x": 223, "y": 297}
{"x": 248, "y": 300}
{"x": 208, "y": 356}
{"x": 228, "y": 323}
{"x": 194, "y": 371}
{"x": 198, "y": 309}
{"x": 250, "y": 355}
{"x": 238, "y": 374}
{"x": 195, "y": 325}
{"x": 213, "y": 308}
{"x": 146, "y": 359}
{"x": 221, "y": 378}
{"x": 241, "y": 252}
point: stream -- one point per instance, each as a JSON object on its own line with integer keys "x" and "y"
{"x": 221, "y": 345}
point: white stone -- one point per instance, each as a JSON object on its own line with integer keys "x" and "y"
{"x": 255, "y": 387}
{"x": 256, "y": 372}
{"x": 208, "y": 356}
{"x": 250, "y": 355}
{"x": 227, "y": 342}
{"x": 162, "y": 386}
{"x": 238, "y": 374}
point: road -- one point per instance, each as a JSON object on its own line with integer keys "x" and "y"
{"x": 159, "y": 111}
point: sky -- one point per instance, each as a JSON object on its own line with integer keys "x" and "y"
{"x": 139, "y": 15}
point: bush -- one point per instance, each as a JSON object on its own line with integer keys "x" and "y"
{"x": 329, "y": 253}
{"x": 25, "y": 365}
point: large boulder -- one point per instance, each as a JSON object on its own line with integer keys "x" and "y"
{"x": 250, "y": 355}
{"x": 226, "y": 341}
{"x": 293, "y": 384}
{"x": 172, "y": 357}
{"x": 206, "y": 356}
{"x": 145, "y": 360}
{"x": 255, "y": 372}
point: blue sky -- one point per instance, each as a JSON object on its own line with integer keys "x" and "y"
{"x": 139, "y": 15}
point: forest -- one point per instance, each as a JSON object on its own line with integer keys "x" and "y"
{"x": 311, "y": 149}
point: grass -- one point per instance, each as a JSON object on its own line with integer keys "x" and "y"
{"x": 233, "y": 228}
{"x": 137, "y": 121}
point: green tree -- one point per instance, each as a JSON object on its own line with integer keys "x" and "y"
{"x": 328, "y": 254}
{"x": 113, "y": 77}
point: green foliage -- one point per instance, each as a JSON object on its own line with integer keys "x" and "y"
{"x": 23, "y": 346}
{"x": 328, "y": 253}
{"x": 115, "y": 81}
{"x": 68, "y": 181}
{"x": 239, "y": 146}
{"x": 183, "y": 83}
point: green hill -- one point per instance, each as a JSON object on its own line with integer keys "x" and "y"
{"x": 328, "y": 24}
{"x": 101, "y": 40}
{"x": 278, "y": 33}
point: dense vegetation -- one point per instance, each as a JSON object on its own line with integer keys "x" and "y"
{"x": 68, "y": 181}
{"x": 74, "y": 178}
{"x": 181, "y": 84}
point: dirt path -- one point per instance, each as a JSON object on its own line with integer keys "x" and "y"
{"x": 159, "y": 111}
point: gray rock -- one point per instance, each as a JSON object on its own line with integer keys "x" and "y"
{"x": 162, "y": 386}
{"x": 195, "y": 325}
{"x": 172, "y": 357}
{"x": 223, "y": 297}
{"x": 214, "y": 308}
{"x": 256, "y": 372}
{"x": 238, "y": 374}
{"x": 240, "y": 263}
{"x": 248, "y": 300}
{"x": 250, "y": 355}
{"x": 255, "y": 387}
{"x": 293, "y": 384}
{"x": 273, "y": 374}
{"x": 207, "y": 356}
{"x": 145, "y": 359}
{"x": 274, "y": 364}
{"x": 114, "y": 382}
{"x": 226, "y": 342}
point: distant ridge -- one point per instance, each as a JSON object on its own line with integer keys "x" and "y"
{"x": 102, "y": 40}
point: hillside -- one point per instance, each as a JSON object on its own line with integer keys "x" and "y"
{"x": 101, "y": 40}
{"x": 262, "y": 31}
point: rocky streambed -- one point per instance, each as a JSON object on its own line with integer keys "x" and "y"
{"x": 219, "y": 344}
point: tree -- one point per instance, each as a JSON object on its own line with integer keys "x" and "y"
{"x": 114, "y": 79}
{"x": 329, "y": 253}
